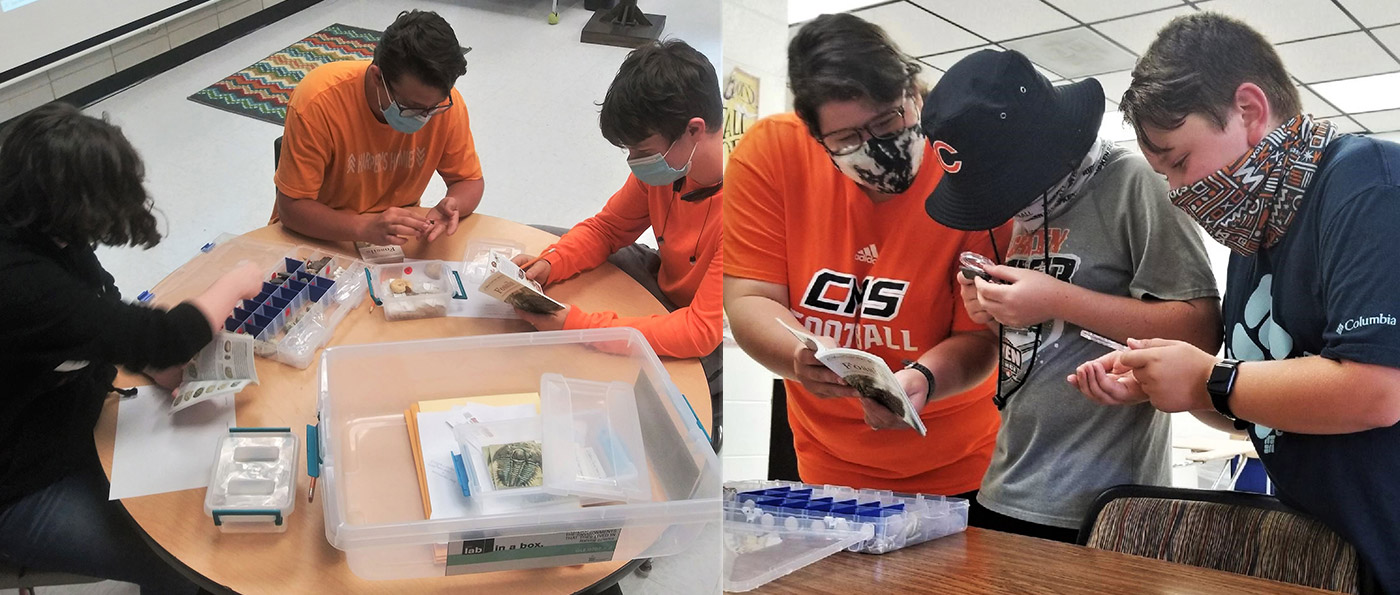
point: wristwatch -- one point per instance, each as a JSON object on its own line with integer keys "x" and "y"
{"x": 1221, "y": 384}
{"x": 910, "y": 364}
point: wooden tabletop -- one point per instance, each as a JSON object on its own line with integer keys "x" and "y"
{"x": 982, "y": 561}
{"x": 301, "y": 560}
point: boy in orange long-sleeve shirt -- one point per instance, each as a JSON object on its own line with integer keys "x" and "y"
{"x": 664, "y": 107}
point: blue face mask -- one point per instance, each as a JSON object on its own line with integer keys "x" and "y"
{"x": 393, "y": 115}
{"x": 654, "y": 171}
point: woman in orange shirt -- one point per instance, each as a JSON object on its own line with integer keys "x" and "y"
{"x": 847, "y": 252}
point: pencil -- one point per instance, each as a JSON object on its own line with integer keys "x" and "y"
{"x": 535, "y": 260}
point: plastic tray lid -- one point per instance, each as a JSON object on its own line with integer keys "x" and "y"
{"x": 761, "y": 546}
{"x": 593, "y": 440}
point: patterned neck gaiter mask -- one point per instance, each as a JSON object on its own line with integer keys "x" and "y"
{"x": 1249, "y": 205}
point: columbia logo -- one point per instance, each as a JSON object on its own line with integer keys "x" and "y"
{"x": 868, "y": 254}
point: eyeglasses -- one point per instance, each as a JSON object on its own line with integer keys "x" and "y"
{"x": 414, "y": 112}
{"x": 849, "y": 140}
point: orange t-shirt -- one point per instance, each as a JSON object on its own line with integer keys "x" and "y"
{"x": 696, "y": 328}
{"x": 795, "y": 220}
{"x": 335, "y": 152}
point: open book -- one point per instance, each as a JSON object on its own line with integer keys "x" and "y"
{"x": 508, "y": 284}
{"x": 867, "y": 373}
{"x": 223, "y": 367}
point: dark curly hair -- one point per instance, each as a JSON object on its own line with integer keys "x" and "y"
{"x": 657, "y": 90}
{"x": 422, "y": 44}
{"x": 841, "y": 57}
{"x": 75, "y": 178}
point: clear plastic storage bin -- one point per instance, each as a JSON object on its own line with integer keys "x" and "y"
{"x": 413, "y": 289}
{"x": 370, "y": 491}
{"x": 897, "y": 520}
{"x": 252, "y": 488}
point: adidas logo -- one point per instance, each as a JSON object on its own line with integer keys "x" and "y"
{"x": 868, "y": 254}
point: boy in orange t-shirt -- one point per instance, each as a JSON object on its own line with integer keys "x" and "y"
{"x": 362, "y": 140}
{"x": 664, "y": 107}
{"x": 847, "y": 252}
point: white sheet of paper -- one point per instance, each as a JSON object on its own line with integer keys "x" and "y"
{"x": 436, "y": 440}
{"x": 157, "y": 451}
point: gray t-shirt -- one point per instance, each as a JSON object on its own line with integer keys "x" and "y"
{"x": 1057, "y": 450}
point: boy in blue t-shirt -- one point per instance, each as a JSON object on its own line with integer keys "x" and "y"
{"x": 1312, "y": 305}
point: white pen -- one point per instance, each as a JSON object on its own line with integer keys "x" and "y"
{"x": 1102, "y": 340}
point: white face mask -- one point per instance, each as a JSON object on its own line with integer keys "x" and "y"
{"x": 887, "y": 166}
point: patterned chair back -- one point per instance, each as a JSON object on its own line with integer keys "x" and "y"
{"x": 1248, "y": 534}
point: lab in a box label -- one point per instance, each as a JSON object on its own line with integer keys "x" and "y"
{"x": 478, "y": 546}
{"x": 532, "y": 551}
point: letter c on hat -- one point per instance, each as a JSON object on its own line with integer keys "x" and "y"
{"x": 941, "y": 147}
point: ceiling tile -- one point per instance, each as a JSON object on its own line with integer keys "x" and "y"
{"x": 806, "y": 10}
{"x": 1140, "y": 31}
{"x": 1386, "y": 121}
{"x": 1115, "y": 129}
{"x": 1345, "y": 124}
{"x": 917, "y": 32}
{"x": 1114, "y": 84}
{"x": 1365, "y": 94}
{"x": 1315, "y": 105}
{"x": 946, "y": 61}
{"x": 1287, "y": 20}
{"x": 1390, "y": 36}
{"x": 1091, "y": 11}
{"x": 1337, "y": 57}
{"x": 1074, "y": 53}
{"x": 1010, "y": 18}
{"x": 1374, "y": 13}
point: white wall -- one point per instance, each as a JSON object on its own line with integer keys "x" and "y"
{"x": 755, "y": 40}
{"x": 38, "y": 88}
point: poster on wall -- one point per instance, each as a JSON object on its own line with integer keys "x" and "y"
{"x": 740, "y": 106}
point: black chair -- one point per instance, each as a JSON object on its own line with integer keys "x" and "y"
{"x": 782, "y": 456}
{"x": 276, "y": 152}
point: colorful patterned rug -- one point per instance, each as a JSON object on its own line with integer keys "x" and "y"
{"x": 262, "y": 90}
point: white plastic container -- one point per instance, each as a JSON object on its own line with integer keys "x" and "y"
{"x": 429, "y": 284}
{"x": 370, "y": 491}
{"x": 252, "y": 487}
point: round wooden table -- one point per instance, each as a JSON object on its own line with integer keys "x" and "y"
{"x": 301, "y": 560}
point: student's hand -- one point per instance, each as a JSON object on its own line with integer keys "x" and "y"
{"x": 546, "y": 322}
{"x": 168, "y": 378}
{"x": 815, "y": 376}
{"x": 915, "y": 385}
{"x": 392, "y": 227}
{"x": 244, "y": 282}
{"x": 1173, "y": 374}
{"x": 443, "y": 217}
{"x": 538, "y": 272}
{"x": 1107, "y": 381}
{"x": 1029, "y": 297}
{"x": 971, "y": 303}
